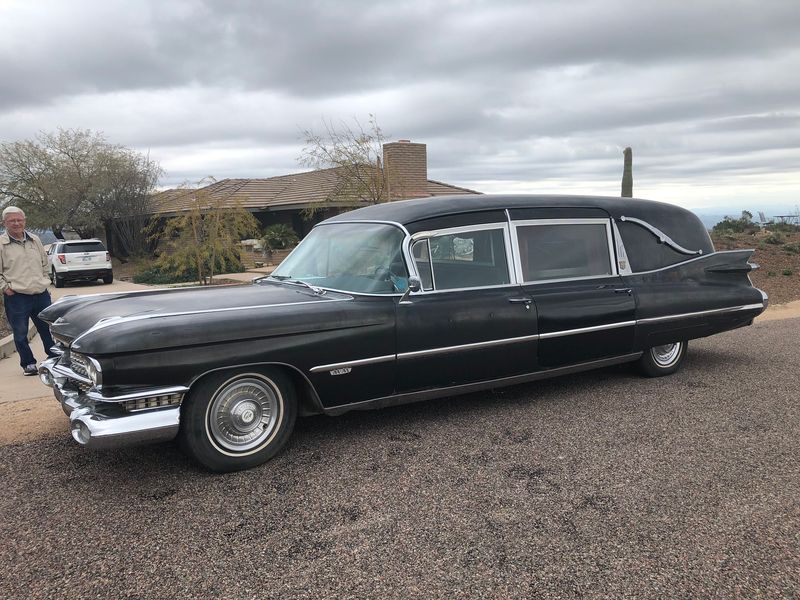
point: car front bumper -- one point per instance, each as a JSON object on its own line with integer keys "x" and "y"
{"x": 98, "y": 421}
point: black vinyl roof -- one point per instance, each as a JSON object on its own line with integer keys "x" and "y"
{"x": 405, "y": 212}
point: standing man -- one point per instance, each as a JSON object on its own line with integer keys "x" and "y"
{"x": 24, "y": 281}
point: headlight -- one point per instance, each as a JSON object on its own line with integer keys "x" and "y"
{"x": 94, "y": 371}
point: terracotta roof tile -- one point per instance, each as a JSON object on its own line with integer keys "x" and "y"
{"x": 283, "y": 192}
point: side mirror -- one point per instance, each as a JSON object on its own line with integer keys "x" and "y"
{"x": 414, "y": 285}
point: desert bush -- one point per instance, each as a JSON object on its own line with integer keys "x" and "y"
{"x": 775, "y": 239}
{"x": 165, "y": 273}
{"x": 783, "y": 227}
{"x": 792, "y": 248}
{"x": 787, "y": 272}
{"x": 743, "y": 224}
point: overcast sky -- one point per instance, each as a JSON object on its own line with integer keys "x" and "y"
{"x": 538, "y": 96}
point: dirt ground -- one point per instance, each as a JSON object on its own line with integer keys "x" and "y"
{"x": 779, "y": 263}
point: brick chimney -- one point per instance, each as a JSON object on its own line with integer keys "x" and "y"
{"x": 406, "y": 167}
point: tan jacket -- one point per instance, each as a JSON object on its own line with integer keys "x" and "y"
{"x": 23, "y": 266}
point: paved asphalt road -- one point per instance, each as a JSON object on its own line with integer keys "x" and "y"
{"x": 603, "y": 484}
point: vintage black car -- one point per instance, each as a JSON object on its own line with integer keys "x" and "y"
{"x": 396, "y": 303}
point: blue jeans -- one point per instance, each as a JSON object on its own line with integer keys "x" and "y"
{"x": 20, "y": 308}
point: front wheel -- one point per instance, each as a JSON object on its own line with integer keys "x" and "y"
{"x": 663, "y": 360}
{"x": 238, "y": 419}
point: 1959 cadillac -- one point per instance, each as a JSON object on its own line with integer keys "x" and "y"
{"x": 396, "y": 303}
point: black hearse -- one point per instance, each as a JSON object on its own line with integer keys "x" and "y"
{"x": 396, "y": 303}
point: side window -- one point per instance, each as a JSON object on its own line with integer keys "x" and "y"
{"x": 463, "y": 260}
{"x": 563, "y": 250}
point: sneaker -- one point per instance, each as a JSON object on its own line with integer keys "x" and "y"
{"x": 30, "y": 370}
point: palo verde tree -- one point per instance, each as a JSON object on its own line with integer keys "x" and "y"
{"x": 205, "y": 239}
{"x": 75, "y": 178}
{"x": 355, "y": 154}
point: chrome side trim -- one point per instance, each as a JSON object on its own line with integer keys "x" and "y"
{"x": 539, "y": 336}
{"x": 461, "y": 347}
{"x": 557, "y": 334}
{"x": 662, "y": 237}
{"x": 701, "y": 313}
{"x": 354, "y": 363}
{"x": 467, "y": 388}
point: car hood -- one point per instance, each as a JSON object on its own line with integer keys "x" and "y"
{"x": 135, "y": 321}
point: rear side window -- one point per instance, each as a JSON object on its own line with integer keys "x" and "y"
{"x": 82, "y": 247}
{"x": 551, "y": 250}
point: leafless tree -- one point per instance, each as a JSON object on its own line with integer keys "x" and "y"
{"x": 355, "y": 153}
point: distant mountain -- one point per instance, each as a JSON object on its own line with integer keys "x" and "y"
{"x": 711, "y": 219}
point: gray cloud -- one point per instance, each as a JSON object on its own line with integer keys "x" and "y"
{"x": 513, "y": 92}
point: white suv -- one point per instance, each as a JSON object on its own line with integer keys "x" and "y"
{"x": 75, "y": 260}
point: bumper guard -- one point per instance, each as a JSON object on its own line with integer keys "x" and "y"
{"x": 98, "y": 421}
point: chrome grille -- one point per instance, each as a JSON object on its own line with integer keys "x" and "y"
{"x": 152, "y": 402}
{"x": 79, "y": 364}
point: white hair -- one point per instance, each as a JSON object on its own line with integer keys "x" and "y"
{"x": 12, "y": 209}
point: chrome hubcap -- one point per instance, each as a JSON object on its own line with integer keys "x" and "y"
{"x": 243, "y": 414}
{"x": 666, "y": 355}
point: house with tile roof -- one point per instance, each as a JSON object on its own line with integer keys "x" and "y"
{"x": 288, "y": 198}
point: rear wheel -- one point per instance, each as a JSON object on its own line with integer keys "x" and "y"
{"x": 57, "y": 281}
{"x": 108, "y": 278}
{"x": 663, "y": 360}
{"x": 238, "y": 419}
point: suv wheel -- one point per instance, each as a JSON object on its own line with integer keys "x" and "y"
{"x": 57, "y": 281}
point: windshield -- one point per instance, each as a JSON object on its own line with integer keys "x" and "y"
{"x": 354, "y": 257}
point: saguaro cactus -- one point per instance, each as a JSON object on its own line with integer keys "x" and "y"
{"x": 627, "y": 174}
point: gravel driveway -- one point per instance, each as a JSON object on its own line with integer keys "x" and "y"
{"x": 602, "y": 484}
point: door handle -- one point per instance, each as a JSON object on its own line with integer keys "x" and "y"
{"x": 623, "y": 291}
{"x": 525, "y": 301}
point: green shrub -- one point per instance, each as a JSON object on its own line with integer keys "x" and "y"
{"x": 792, "y": 248}
{"x": 159, "y": 276}
{"x": 166, "y": 274}
{"x": 774, "y": 238}
{"x": 278, "y": 237}
{"x": 743, "y": 224}
{"x": 787, "y": 272}
{"x": 783, "y": 227}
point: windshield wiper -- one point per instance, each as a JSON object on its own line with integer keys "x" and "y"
{"x": 289, "y": 279}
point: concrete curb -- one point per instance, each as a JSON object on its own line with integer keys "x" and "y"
{"x": 7, "y": 347}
